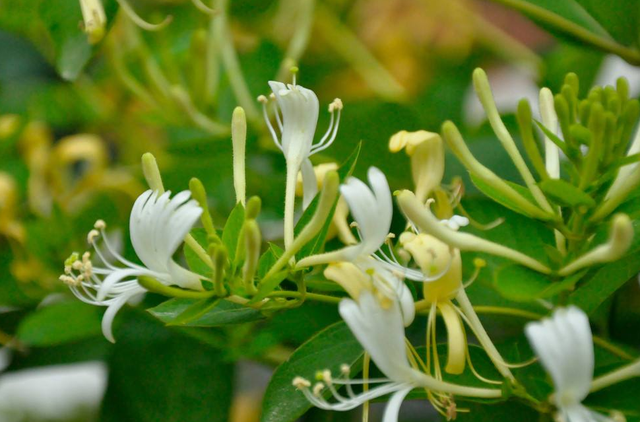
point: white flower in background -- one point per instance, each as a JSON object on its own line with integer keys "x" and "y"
{"x": 158, "y": 226}
{"x": 565, "y": 347}
{"x": 297, "y": 126}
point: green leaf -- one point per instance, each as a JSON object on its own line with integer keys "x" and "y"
{"x": 224, "y": 313}
{"x": 268, "y": 258}
{"x": 328, "y": 349}
{"x": 564, "y": 193}
{"x": 544, "y": 11}
{"x": 497, "y": 196}
{"x": 196, "y": 311}
{"x": 60, "y": 323}
{"x": 157, "y": 374}
{"x": 519, "y": 283}
{"x": 193, "y": 260}
{"x": 316, "y": 244}
{"x": 231, "y": 231}
{"x": 619, "y": 17}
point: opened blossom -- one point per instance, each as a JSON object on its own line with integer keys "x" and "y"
{"x": 297, "y": 126}
{"x": 564, "y": 345}
{"x": 158, "y": 226}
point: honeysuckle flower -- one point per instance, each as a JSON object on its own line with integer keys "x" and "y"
{"x": 378, "y": 324}
{"x": 564, "y": 345}
{"x": 299, "y": 107}
{"x": 372, "y": 209}
{"x": 426, "y": 150}
{"x": 158, "y": 226}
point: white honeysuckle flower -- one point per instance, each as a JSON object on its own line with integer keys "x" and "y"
{"x": 372, "y": 209}
{"x": 158, "y": 226}
{"x": 379, "y": 328}
{"x": 299, "y": 107}
{"x": 564, "y": 345}
{"x": 297, "y": 126}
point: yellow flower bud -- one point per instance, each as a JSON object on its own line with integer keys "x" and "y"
{"x": 427, "y": 158}
{"x": 94, "y": 19}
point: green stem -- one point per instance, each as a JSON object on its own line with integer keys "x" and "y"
{"x": 576, "y": 31}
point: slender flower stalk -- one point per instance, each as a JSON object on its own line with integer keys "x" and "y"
{"x": 564, "y": 345}
{"x": 624, "y": 373}
{"x": 158, "y": 226}
{"x": 299, "y": 107}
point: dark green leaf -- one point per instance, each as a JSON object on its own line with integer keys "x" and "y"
{"x": 328, "y": 349}
{"x": 157, "y": 374}
{"x": 224, "y": 313}
{"x": 61, "y": 323}
{"x": 564, "y": 193}
{"x": 619, "y": 17}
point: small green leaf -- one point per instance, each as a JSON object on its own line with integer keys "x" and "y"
{"x": 232, "y": 229}
{"x": 328, "y": 349}
{"x": 268, "y": 258}
{"x": 224, "y": 313}
{"x": 565, "y": 194}
{"x": 60, "y": 323}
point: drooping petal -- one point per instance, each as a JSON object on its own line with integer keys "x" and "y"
{"x": 393, "y": 407}
{"x": 112, "y": 310}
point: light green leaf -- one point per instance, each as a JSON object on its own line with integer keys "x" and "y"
{"x": 328, "y": 349}
{"x": 497, "y": 196}
{"x": 518, "y": 283}
{"x": 223, "y": 313}
{"x": 565, "y": 194}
